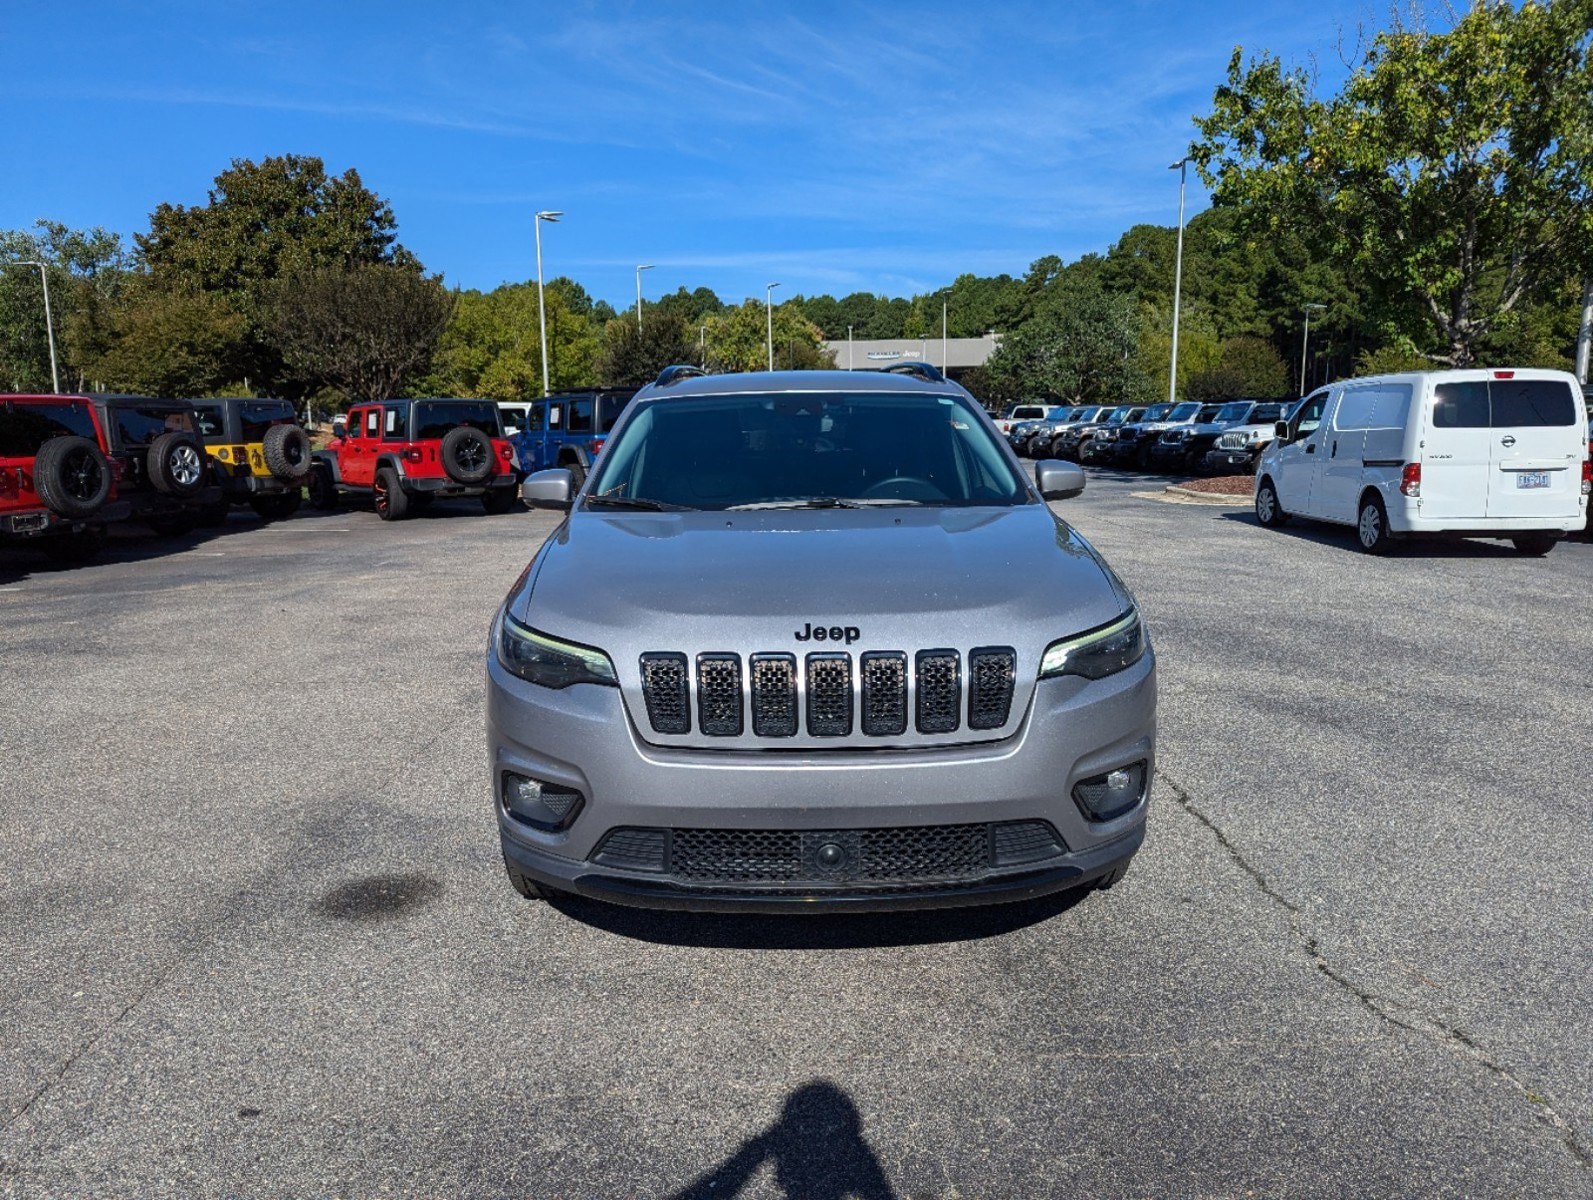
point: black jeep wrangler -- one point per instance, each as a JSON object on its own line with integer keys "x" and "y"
{"x": 162, "y": 471}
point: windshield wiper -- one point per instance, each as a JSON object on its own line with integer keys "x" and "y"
{"x": 809, "y": 502}
{"x": 637, "y": 502}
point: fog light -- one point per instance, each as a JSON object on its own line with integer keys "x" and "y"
{"x": 544, "y": 805}
{"x": 1102, "y": 797}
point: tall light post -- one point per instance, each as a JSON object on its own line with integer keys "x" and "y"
{"x": 768, "y": 305}
{"x": 1182, "y": 167}
{"x": 1584, "y": 337}
{"x": 848, "y": 347}
{"x": 542, "y": 316}
{"x": 639, "y": 270}
{"x": 49, "y": 324}
{"x": 1305, "y": 341}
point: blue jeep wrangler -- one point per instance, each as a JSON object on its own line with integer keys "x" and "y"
{"x": 568, "y": 429}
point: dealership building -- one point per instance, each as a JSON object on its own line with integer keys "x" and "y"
{"x": 954, "y": 356}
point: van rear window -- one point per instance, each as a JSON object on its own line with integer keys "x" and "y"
{"x": 1503, "y": 404}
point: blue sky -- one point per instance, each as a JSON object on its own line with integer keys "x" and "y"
{"x": 832, "y": 147}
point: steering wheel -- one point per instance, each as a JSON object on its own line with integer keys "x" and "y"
{"x": 903, "y": 487}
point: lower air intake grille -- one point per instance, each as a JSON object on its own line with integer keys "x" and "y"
{"x": 829, "y": 695}
{"x": 990, "y": 677}
{"x": 719, "y": 694}
{"x": 925, "y": 852}
{"x": 939, "y": 691}
{"x": 884, "y": 693}
{"x": 1024, "y": 841}
{"x": 664, "y": 689}
{"x": 633, "y": 849}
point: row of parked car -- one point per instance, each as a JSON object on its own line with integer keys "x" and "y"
{"x": 1189, "y": 437}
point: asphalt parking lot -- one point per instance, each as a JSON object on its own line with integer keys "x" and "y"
{"x": 256, "y": 938}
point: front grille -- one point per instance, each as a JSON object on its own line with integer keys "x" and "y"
{"x": 991, "y": 675}
{"x": 824, "y": 706}
{"x": 829, "y": 695}
{"x": 771, "y": 859}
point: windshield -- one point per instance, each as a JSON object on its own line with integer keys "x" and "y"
{"x": 257, "y": 416}
{"x": 821, "y": 449}
{"x": 1233, "y": 412}
{"x": 1268, "y": 414}
{"x": 1119, "y": 415}
{"x": 1183, "y": 412}
{"x": 434, "y": 418}
{"x": 1157, "y": 412}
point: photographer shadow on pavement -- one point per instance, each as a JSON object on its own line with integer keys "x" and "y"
{"x": 816, "y": 1150}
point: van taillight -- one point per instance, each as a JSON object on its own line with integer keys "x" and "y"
{"x": 1504, "y": 374}
{"x": 1410, "y": 480}
{"x": 1587, "y": 476}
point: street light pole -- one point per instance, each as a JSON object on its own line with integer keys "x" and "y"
{"x": 542, "y": 316}
{"x": 1584, "y": 337}
{"x": 639, "y": 270}
{"x": 1182, "y": 167}
{"x": 768, "y": 305}
{"x": 1305, "y": 341}
{"x": 49, "y": 324}
{"x": 848, "y": 347}
{"x": 943, "y": 337}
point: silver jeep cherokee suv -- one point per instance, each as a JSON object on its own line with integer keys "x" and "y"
{"x": 812, "y": 640}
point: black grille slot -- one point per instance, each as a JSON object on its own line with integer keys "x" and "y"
{"x": 736, "y": 855}
{"x": 774, "y": 695}
{"x": 939, "y": 696}
{"x": 991, "y": 672}
{"x": 719, "y": 694}
{"x": 664, "y": 690}
{"x": 1024, "y": 841}
{"x": 924, "y": 852}
{"x": 633, "y": 849}
{"x": 829, "y": 695}
{"x": 884, "y": 693}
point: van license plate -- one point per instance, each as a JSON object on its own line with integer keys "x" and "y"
{"x": 1532, "y": 479}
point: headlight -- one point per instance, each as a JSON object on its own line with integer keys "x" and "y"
{"x": 538, "y": 658}
{"x": 1098, "y": 653}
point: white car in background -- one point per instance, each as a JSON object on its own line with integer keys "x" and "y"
{"x": 1469, "y": 453}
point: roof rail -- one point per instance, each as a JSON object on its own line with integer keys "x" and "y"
{"x": 676, "y": 373}
{"x": 921, "y": 370}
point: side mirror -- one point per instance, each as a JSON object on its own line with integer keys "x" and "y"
{"x": 1281, "y": 432}
{"x": 549, "y": 489}
{"x": 1058, "y": 480}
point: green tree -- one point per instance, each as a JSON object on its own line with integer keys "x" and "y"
{"x": 365, "y": 328}
{"x": 1246, "y": 366}
{"x": 86, "y": 270}
{"x": 630, "y": 358}
{"x": 737, "y": 339}
{"x": 1452, "y": 174}
{"x": 166, "y": 341}
{"x": 1079, "y": 346}
{"x": 492, "y": 346}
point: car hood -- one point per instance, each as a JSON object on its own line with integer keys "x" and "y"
{"x": 900, "y": 578}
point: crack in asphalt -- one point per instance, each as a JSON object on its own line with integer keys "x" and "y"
{"x": 1391, "y": 1012}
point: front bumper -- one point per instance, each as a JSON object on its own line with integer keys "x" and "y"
{"x": 1229, "y": 460}
{"x": 582, "y": 738}
{"x": 435, "y": 485}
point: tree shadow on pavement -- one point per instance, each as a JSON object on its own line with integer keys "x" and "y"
{"x": 817, "y": 931}
{"x": 816, "y": 1149}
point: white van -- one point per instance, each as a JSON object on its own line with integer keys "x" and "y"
{"x": 1473, "y": 453}
{"x": 512, "y": 414}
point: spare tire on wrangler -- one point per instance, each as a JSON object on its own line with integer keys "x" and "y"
{"x": 287, "y": 452}
{"x": 176, "y": 464}
{"x": 72, "y": 477}
{"x": 467, "y": 455}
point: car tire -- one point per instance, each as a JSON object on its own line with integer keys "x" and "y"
{"x": 1371, "y": 526}
{"x": 499, "y": 501}
{"x": 275, "y": 508}
{"x": 323, "y": 492}
{"x": 176, "y": 464}
{"x": 1534, "y": 545}
{"x": 1269, "y": 510}
{"x": 392, "y": 502}
{"x": 467, "y": 455}
{"x": 72, "y": 477}
{"x": 286, "y": 449}
{"x": 1113, "y": 877}
{"x": 80, "y": 547}
{"x": 526, "y": 886}
{"x": 577, "y": 475}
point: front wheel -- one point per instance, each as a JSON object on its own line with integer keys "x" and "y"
{"x": 1534, "y": 545}
{"x": 577, "y": 476}
{"x": 1268, "y": 511}
{"x": 392, "y": 502}
{"x": 1371, "y": 527}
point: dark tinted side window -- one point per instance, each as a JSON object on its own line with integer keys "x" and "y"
{"x": 1460, "y": 406}
{"x": 140, "y": 426}
{"x": 212, "y": 422}
{"x": 26, "y": 427}
{"x": 581, "y": 416}
{"x": 534, "y": 418}
{"x": 1531, "y": 402}
{"x": 608, "y": 411}
{"x": 258, "y": 416}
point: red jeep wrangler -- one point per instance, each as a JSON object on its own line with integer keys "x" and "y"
{"x": 406, "y": 453}
{"x": 57, "y": 487}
